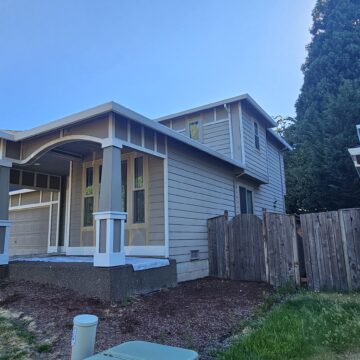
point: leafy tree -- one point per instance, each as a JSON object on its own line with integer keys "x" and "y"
{"x": 320, "y": 173}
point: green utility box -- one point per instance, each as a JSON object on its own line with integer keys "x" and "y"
{"x": 141, "y": 350}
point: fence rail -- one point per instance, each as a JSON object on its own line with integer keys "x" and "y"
{"x": 325, "y": 247}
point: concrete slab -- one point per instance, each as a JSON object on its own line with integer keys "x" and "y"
{"x": 138, "y": 264}
{"x": 113, "y": 283}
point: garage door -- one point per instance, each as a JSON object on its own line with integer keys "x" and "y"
{"x": 29, "y": 231}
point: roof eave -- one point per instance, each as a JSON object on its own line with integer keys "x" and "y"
{"x": 246, "y": 97}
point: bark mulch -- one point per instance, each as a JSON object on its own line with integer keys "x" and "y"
{"x": 198, "y": 314}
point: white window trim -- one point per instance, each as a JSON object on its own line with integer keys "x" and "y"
{"x": 256, "y": 135}
{"x": 247, "y": 188}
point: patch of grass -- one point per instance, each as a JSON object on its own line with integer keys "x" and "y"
{"x": 303, "y": 326}
{"x": 17, "y": 342}
{"x": 43, "y": 348}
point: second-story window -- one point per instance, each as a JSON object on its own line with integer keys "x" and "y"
{"x": 194, "y": 130}
{"x": 256, "y": 135}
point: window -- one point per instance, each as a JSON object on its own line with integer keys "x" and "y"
{"x": 194, "y": 130}
{"x": 139, "y": 191}
{"x": 246, "y": 202}
{"x": 256, "y": 134}
{"x": 89, "y": 197}
{"x": 124, "y": 185}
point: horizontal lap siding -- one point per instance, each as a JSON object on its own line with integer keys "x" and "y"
{"x": 255, "y": 160}
{"x": 266, "y": 194}
{"x": 217, "y": 137}
{"x": 199, "y": 187}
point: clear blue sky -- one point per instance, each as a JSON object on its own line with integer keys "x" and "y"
{"x": 156, "y": 57}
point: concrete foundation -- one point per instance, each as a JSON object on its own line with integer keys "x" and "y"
{"x": 112, "y": 283}
{"x": 4, "y": 271}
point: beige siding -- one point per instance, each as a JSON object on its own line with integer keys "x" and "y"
{"x": 156, "y": 201}
{"x": 214, "y": 130}
{"x": 200, "y": 187}
{"x": 29, "y": 231}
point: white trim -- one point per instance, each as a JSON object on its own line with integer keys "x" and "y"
{"x": 54, "y": 143}
{"x": 166, "y": 204}
{"x": 111, "y": 129}
{"x": 129, "y": 250}
{"x": 68, "y": 207}
{"x": 5, "y": 163}
{"x": 228, "y": 110}
{"x": 2, "y": 148}
{"x": 242, "y": 132}
{"x": 155, "y": 125}
{"x": 58, "y": 215}
{"x": 109, "y": 257}
{"x": 144, "y": 150}
{"x": 7, "y": 136}
{"x": 22, "y": 191}
{"x": 146, "y": 250}
{"x": 246, "y": 97}
{"x": 4, "y": 257}
{"x": 354, "y": 151}
{"x": 31, "y": 206}
{"x": 52, "y": 249}
{"x": 50, "y": 220}
{"x": 80, "y": 250}
{"x": 112, "y": 142}
{"x": 215, "y": 122}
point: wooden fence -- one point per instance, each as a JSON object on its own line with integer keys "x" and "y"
{"x": 322, "y": 247}
{"x": 331, "y": 243}
{"x": 251, "y": 249}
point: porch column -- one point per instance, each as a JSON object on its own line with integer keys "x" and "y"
{"x": 4, "y": 215}
{"x": 110, "y": 219}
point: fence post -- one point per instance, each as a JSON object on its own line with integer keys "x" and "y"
{"x": 295, "y": 252}
{"x": 226, "y": 244}
{"x": 345, "y": 250}
{"x": 265, "y": 237}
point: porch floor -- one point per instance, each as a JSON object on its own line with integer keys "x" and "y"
{"x": 137, "y": 263}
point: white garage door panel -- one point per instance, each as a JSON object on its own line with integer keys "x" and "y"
{"x": 29, "y": 231}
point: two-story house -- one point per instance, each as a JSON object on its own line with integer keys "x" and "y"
{"x": 110, "y": 183}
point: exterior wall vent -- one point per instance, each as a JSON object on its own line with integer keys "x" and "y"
{"x": 194, "y": 255}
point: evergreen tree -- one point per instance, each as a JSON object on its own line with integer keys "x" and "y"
{"x": 320, "y": 172}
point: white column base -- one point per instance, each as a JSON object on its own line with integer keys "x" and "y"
{"x": 108, "y": 260}
{"x": 109, "y": 257}
{"x": 4, "y": 256}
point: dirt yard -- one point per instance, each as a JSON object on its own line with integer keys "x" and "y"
{"x": 199, "y": 314}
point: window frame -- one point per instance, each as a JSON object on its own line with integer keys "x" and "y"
{"x": 87, "y": 195}
{"x": 248, "y": 192}
{"x": 136, "y": 189}
{"x": 198, "y": 129}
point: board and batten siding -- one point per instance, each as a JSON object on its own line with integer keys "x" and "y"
{"x": 156, "y": 202}
{"x": 199, "y": 187}
{"x": 255, "y": 160}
